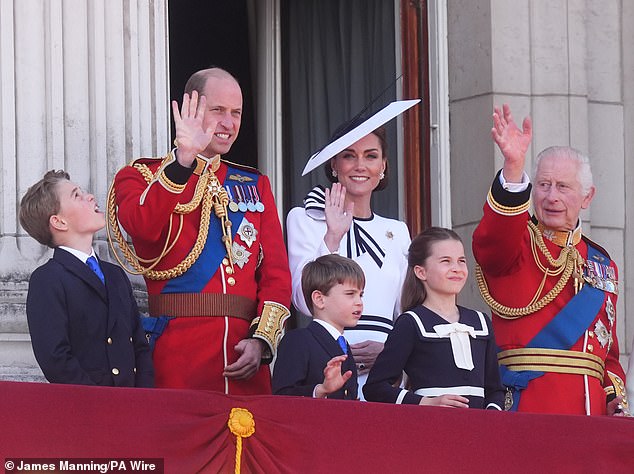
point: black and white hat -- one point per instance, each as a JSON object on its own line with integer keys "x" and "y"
{"x": 358, "y": 132}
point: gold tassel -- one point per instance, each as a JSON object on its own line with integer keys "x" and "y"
{"x": 241, "y": 424}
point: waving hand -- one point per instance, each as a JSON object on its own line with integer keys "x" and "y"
{"x": 512, "y": 141}
{"x": 191, "y": 138}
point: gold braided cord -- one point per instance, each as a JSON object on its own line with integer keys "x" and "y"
{"x": 114, "y": 232}
{"x": 565, "y": 264}
{"x": 220, "y": 199}
{"x": 180, "y": 208}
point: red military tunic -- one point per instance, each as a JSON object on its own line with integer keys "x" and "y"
{"x": 193, "y": 351}
{"x": 502, "y": 247}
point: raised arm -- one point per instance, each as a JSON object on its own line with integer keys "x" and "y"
{"x": 338, "y": 216}
{"x": 145, "y": 209}
{"x": 191, "y": 135}
{"x": 308, "y": 238}
{"x": 333, "y": 378}
{"x": 503, "y": 225}
{"x": 512, "y": 141}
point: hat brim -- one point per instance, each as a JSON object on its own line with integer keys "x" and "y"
{"x": 381, "y": 117}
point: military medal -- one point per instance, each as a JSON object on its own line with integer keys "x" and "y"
{"x": 601, "y": 276}
{"x": 240, "y": 254}
{"x": 247, "y": 232}
{"x": 242, "y": 205}
{"x": 508, "y": 399}
{"x": 251, "y": 200}
{"x": 233, "y": 206}
{"x": 259, "y": 205}
{"x": 609, "y": 308}
{"x": 611, "y": 283}
{"x": 602, "y": 333}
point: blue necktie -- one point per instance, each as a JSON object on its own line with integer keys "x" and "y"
{"x": 343, "y": 344}
{"x": 94, "y": 266}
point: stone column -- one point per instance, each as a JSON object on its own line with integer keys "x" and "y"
{"x": 84, "y": 87}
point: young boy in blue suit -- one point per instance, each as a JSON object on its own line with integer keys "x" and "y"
{"x": 316, "y": 361}
{"x": 83, "y": 319}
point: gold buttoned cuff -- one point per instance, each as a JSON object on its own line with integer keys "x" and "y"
{"x": 269, "y": 327}
{"x": 618, "y": 389}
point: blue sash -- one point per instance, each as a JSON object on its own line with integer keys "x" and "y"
{"x": 204, "y": 268}
{"x": 561, "y": 332}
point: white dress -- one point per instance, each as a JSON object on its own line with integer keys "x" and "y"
{"x": 379, "y": 245}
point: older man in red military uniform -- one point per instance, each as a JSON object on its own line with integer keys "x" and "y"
{"x": 553, "y": 291}
{"x": 208, "y": 240}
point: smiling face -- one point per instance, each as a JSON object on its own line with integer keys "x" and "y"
{"x": 342, "y": 306}
{"x": 359, "y": 166}
{"x": 557, "y": 193}
{"x": 444, "y": 272}
{"x": 224, "y": 107}
{"x": 78, "y": 217}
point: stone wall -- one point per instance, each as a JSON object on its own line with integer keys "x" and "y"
{"x": 567, "y": 63}
{"x": 83, "y": 88}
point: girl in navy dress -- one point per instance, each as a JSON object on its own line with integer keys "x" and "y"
{"x": 447, "y": 351}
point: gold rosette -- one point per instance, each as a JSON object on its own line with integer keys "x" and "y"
{"x": 241, "y": 424}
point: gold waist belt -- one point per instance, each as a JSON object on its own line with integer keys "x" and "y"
{"x": 553, "y": 360}
{"x": 202, "y": 304}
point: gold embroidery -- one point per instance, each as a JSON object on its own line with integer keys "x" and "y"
{"x": 240, "y": 178}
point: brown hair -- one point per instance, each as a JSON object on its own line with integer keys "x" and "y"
{"x": 198, "y": 80}
{"x": 413, "y": 292}
{"x": 40, "y": 202}
{"x": 325, "y": 272}
{"x": 381, "y": 135}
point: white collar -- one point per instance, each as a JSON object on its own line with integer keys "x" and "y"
{"x": 78, "y": 253}
{"x": 330, "y": 328}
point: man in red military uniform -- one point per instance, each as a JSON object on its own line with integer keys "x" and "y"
{"x": 208, "y": 241}
{"x": 553, "y": 291}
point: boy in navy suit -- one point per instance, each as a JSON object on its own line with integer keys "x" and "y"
{"x": 83, "y": 319}
{"x": 316, "y": 361}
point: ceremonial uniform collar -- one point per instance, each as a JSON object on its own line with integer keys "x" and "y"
{"x": 203, "y": 162}
{"x": 560, "y": 237}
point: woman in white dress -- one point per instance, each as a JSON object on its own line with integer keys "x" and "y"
{"x": 340, "y": 220}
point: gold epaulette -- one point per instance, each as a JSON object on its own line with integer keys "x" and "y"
{"x": 142, "y": 165}
{"x": 269, "y": 327}
{"x": 240, "y": 166}
{"x": 147, "y": 161}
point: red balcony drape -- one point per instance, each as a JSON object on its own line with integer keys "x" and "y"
{"x": 188, "y": 429}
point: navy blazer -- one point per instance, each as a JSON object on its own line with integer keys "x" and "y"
{"x": 83, "y": 332}
{"x": 301, "y": 359}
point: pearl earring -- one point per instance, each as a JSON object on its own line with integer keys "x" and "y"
{"x": 334, "y": 174}
{"x": 381, "y": 176}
